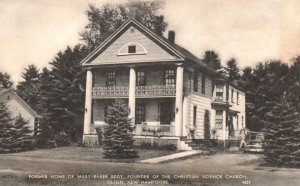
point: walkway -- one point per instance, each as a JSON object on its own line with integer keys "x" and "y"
{"x": 167, "y": 158}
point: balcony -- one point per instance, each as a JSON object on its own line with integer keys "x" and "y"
{"x": 140, "y": 91}
{"x": 155, "y": 90}
{"x": 113, "y": 91}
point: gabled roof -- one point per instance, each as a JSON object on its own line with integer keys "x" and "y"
{"x": 20, "y": 100}
{"x": 181, "y": 53}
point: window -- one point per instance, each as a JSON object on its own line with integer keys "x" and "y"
{"x": 203, "y": 84}
{"x": 169, "y": 77}
{"x": 195, "y": 116}
{"x": 237, "y": 97}
{"x": 232, "y": 92}
{"x": 139, "y": 113}
{"x": 141, "y": 80}
{"x": 166, "y": 113}
{"x": 196, "y": 81}
{"x": 242, "y": 121}
{"x": 132, "y": 49}
{"x": 219, "y": 92}
{"x": 8, "y": 97}
{"x": 111, "y": 79}
{"x": 219, "y": 119}
{"x": 237, "y": 121}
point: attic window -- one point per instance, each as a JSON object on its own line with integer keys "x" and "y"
{"x": 132, "y": 30}
{"x": 131, "y": 49}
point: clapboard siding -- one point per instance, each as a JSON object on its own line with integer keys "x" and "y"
{"x": 154, "y": 51}
{"x": 240, "y": 107}
{"x": 202, "y": 103}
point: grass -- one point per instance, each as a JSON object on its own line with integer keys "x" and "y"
{"x": 87, "y": 154}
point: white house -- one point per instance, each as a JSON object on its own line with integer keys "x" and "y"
{"x": 168, "y": 89}
{"x": 18, "y": 107}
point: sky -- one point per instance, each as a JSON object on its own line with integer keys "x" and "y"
{"x": 33, "y": 31}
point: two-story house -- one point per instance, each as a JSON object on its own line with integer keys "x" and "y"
{"x": 167, "y": 88}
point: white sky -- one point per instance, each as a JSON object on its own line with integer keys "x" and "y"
{"x": 33, "y": 31}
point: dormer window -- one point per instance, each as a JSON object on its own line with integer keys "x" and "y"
{"x": 131, "y": 49}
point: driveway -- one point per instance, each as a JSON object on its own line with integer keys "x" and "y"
{"x": 219, "y": 169}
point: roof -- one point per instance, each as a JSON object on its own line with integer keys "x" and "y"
{"x": 179, "y": 51}
{"x": 21, "y": 101}
{"x": 182, "y": 53}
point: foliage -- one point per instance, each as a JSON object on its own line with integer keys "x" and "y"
{"x": 282, "y": 134}
{"x": 263, "y": 85}
{"x": 118, "y": 137}
{"x": 5, "y": 80}
{"x": 207, "y": 127}
{"x": 13, "y": 136}
{"x": 105, "y": 20}
{"x": 28, "y": 89}
{"x": 212, "y": 59}
{"x": 62, "y": 96}
{"x": 232, "y": 70}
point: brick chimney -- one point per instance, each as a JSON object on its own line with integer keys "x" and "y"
{"x": 171, "y": 37}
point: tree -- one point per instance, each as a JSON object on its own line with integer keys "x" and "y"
{"x": 63, "y": 97}
{"x": 263, "y": 85}
{"x": 12, "y": 135}
{"x": 118, "y": 137}
{"x": 282, "y": 134}
{"x": 29, "y": 88}
{"x": 5, "y": 129}
{"x": 105, "y": 20}
{"x": 211, "y": 58}
{"x": 232, "y": 70}
{"x": 5, "y": 80}
{"x": 22, "y": 135}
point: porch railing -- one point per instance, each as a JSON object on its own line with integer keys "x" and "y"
{"x": 156, "y": 90}
{"x": 140, "y": 91}
{"x": 154, "y": 130}
{"x": 113, "y": 91}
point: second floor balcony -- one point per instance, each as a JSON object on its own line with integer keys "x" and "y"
{"x": 140, "y": 91}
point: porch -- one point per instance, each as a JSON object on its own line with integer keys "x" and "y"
{"x": 153, "y": 116}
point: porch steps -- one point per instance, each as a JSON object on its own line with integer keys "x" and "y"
{"x": 193, "y": 145}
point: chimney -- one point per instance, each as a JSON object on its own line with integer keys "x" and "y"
{"x": 171, "y": 37}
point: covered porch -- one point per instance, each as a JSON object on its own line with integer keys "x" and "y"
{"x": 153, "y": 116}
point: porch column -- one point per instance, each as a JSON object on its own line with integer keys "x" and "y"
{"x": 178, "y": 101}
{"x": 224, "y": 93}
{"x": 224, "y": 127}
{"x": 185, "y": 116}
{"x": 88, "y": 102}
{"x": 131, "y": 101}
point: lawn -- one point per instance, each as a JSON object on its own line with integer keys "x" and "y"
{"x": 87, "y": 154}
{"x": 16, "y": 170}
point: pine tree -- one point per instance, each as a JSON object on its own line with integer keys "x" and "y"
{"x": 22, "y": 135}
{"x": 45, "y": 132}
{"x": 6, "y": 132}
{"x": 29, "y": 88}
{"x": 5, "y": 80}
{"x": 282, "y": 134}
{"x": 118, "y": 138}
{"x": 211, "y": 58}
{"x": 63, "y": 96}
{"x": 232, "y": 70}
